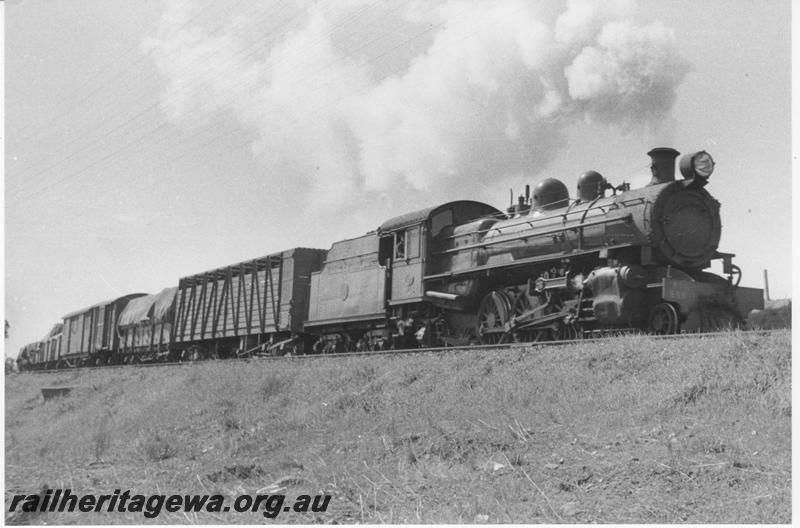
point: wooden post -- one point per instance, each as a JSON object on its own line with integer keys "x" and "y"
{"x": 272, "y": 292}
{"x": 280, "y": 291}
{"x": 199, "y": 309}
{"x": 241, "y": 299}
{"x": 229, "y": 305}
{"x": 268, "y": 287}
{"x": 249, "y": 307}
{"x": 261, "y": 305}
{"x": 208, "y": 306}
{"x": 222, "y": 306}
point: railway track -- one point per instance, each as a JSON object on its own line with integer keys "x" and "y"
{"x": 431, "y": 350}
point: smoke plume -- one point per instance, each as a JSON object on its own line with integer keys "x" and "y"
{"x": 465, "y": 94}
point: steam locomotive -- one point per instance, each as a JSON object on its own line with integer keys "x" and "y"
{"x": 550, "y": 266}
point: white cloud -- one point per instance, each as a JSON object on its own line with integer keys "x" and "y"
{"x": 629, "y": 75}
{"x": 489, "y": 97}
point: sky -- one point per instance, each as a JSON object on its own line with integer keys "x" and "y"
{"x": 148, "y": 141}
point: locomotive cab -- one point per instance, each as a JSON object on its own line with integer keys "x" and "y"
{"x": 415, "y": 238}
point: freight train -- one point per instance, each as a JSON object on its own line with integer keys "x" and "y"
{"x": 551, "y": 266}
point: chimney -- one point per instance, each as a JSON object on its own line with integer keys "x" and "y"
{"x": 766, "y": 286}
{"x": 663, "y": 166}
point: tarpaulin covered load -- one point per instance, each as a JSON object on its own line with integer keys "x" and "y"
{"x": 154, "y": 308}
{"x": 57, "y": 329}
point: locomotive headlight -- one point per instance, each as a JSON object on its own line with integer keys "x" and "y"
{"x": 697, "y": 164}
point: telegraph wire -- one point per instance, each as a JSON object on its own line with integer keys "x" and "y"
{"x": 153, "y": 106}
{"x": 102, "y": 135}
{"x": 98, "y": 87}
{"x": 254, "y": 47}
{"x": 77, "y": 138}
{"x": 120, "y": 126}
{"x": 142, "y": 137}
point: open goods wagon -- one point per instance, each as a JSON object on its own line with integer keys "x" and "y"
{"x": 254, "y": 306}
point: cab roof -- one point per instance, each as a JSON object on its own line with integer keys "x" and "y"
{"x": 422, "y": 215}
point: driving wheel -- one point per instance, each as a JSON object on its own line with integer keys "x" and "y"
{"x": 493, "y": 314}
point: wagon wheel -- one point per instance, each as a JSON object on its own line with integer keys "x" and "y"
{"x": 569, "y": 332}
{"x": 721, "y": 318}
{"x": 193, "y": 354}
{"x": 493, "y": 314}
{"x": 664, "y": 319}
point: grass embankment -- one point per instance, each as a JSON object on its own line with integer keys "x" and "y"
{"x": 776, "y": 314}
{"x": 629, "y": 430}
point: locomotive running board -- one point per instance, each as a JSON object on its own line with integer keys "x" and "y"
{"x": 351, "y": 319}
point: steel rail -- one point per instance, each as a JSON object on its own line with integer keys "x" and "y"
{"x": 520, "y": 346}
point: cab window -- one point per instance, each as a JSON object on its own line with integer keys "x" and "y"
{"x": 399, "y": 245}
{"x": 440, "y": 221}
{"x": 412, "y": 242}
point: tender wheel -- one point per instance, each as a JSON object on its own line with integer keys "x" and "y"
{"x": 493, "y": 314}
{"x": 719, "y": 319}
{"x": 664, "y": 319}
{"x": 568, "y": 332}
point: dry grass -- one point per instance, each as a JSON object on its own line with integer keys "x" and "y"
{"x": 776, "y": 314}
{"x": 632, "y": 430}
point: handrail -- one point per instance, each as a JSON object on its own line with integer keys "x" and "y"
{"x": 575, "y": 227}
{"x": 538, "y": 219}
